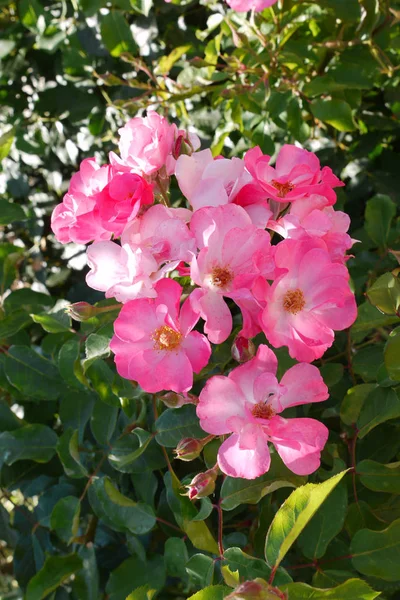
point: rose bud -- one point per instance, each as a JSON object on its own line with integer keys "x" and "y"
{"x": 188, "y": 449}
{"x": 174, "y": 400}
{"x": 256, "y": 590}
{"x": 81, "y": 311}
{"x": 243, "y": 349}
{"x": 202, "y": 485}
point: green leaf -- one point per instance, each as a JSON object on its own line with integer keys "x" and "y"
{"x": 64, "y": 518}
{"x": 86, "y": 582}
{"x": 103, "y": 421}
{"x": 68, "y": 363}
{"x": 142, "y": 593}
{"x": 213, "y": 592}
{"x": 377, "y": 553}
{"x": 201, "y": 569}
{"x": 134, "y": 573}
{"x": 9, "y": 211}
{"x": 334, "y": 112}
{"x": 176, "y": 557}
{"x": 76, "y": 410}
{"x": 126, "y": 450}
{"x": 353, "y": 589}
{"x": 14, "y": 322}
{"x": 381, "y": 405}
{"x": 33, "y": 375}
{"x": 385, "y": 294}
{"x": 31, "y": 442}
{"x": 167, "y": 62}
{"x": 6, "y": 141}
{"x": 96, "y": 346}
{"x": 67, "y": 450}
{"x": 369, "y": 317}
{"x": 32, "y": 15}
{"x": 124, "y": 513}
{"x": 379, "y": 213}
{"x": 55, "y": 320}
{"x": 325, "y": 524}
{"x": 55, "y": 571}
{"x": 353, "y": 402}
{"x": 116, "y": 34}
{"x": 177, "y": 423}
{"x": 378, "y": 477}
{"x": 8, "y": 419}
{"x": 367, "y": 361}
{"x": 392, "y": 355}
{"x": 293, "y": 516}
{"x": 236, "y": 491}
{"x": 102, "y": 379}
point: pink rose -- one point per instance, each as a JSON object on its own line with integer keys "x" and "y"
{"x": 297, "y": 173}
{"x": 233, "y": 254}
{"x": 247, "y": 404}
{"x": 309, "y": 299}
{"x": 312, "y": 217}
{"x": 76, "y": 219}
{"x": 246, "y": 5}
{"x": 154, "y": 343}
{"x": 120, "y": 201}
{"x": 150, "y": 143}
{"x": 206, "y": 181}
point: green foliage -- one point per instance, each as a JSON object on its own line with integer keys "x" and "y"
{"x": 92, "y": 501}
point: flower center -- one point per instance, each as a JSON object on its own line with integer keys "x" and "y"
{"x": 221, "y": 276}
{"x": 294, "y": 301}
{"x": 166, "y": 338}
{"x": 283, "y": 188}
{"x": 261, "y": 410}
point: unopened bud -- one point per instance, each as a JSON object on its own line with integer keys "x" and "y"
{"x": 242, "y": 349}
{"x": 181, "y": 146}
{"x": 188, "y": 449}
{"x": 81, "y": 311}
{"x": 202, "y": 485}
{"x": 258, "y": 589}
{"x": 174, "y": 400}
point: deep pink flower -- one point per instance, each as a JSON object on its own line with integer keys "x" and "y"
{"x": 313, "y": 217}
{"x": 206, "y": 181}
{"x": 233, "y": 253}
{"x": 247, "y": 404}
{"x": 120, "y": 201}
{"x": 308, "y": 301}
{"x": 154, "y": 343}
{"x": 246, "y": 5}
{"x": 75, "y": 219}
{"x": 297, "y": 173}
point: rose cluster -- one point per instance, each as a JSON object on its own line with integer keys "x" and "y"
{"x": 264, "y": 237}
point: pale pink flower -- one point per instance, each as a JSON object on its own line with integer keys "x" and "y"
{"x": 206, "y": 181}
{"x": 164, "y": 232}
{"x": 148, "y": 144}
{"x": 120, "y": 201}
{"x": 297, "y": 173}
{"x": 233, "y": 254}
{"x": 154, "y": 343}
{"x": 151, "y": 246}
{"x": 312, "y": 217}
{"x": 76, "y": 218}
{"x": 247, "y": 404}
{"x": 246, "y": 5}
{"x": 309, "y": 299}
{"x": 122, "y": 272}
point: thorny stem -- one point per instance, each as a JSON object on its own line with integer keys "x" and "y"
{"x": 352, "y": 449}
{"x": 163, "y": 191}
{"x": 316, "y": 563}
{"x": 220, "y": 528}
{"x": 92, "y": 476}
